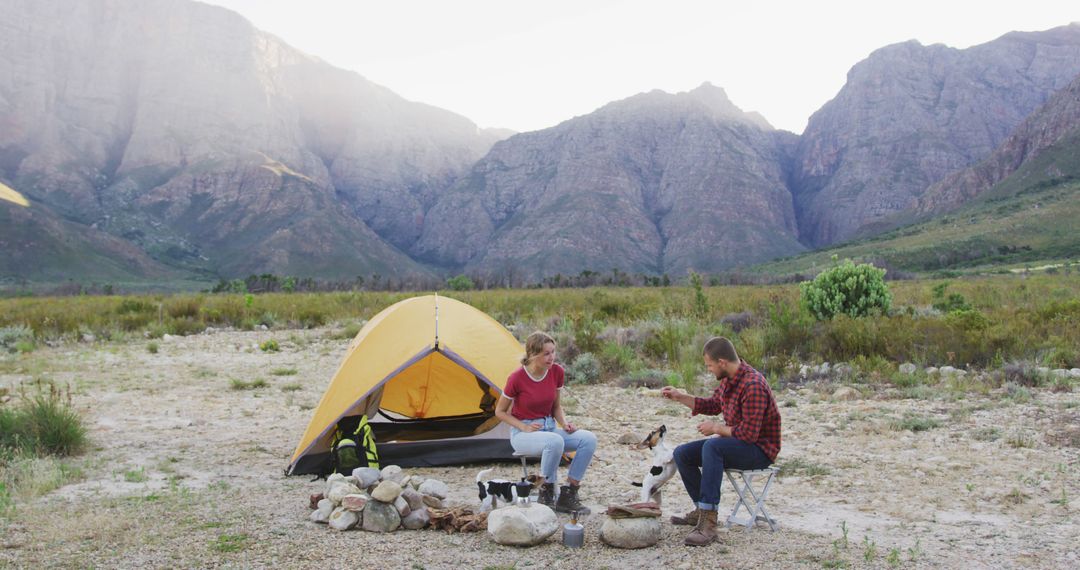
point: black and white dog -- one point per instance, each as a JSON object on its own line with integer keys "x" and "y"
{"x": 491, "y": 490}
{"x": 662, "y": 468}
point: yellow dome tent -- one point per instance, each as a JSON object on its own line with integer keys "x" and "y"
{"x": 426, "y": 372}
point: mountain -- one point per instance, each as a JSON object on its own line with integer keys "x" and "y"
{"x": 1043, "y": 150}
{"x": 212, "y": 146}
{"x": 909, "y": 115}
{"x": 656, "y": 183}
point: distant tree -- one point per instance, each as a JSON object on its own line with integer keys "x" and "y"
{"x": 460, "y": 283}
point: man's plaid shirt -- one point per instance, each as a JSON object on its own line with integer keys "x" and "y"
{"x": 749, "y": 409}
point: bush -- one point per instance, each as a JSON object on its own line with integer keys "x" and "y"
{"x": 15, "y": 338}
{"x": 270, "y": 346}
{"x": 584, "y": 370}
{"x": 649, "y": 378}
{"x": 460, "y": 283}
{"x": 44, "y": 424}
{"x": 847, "y": 289}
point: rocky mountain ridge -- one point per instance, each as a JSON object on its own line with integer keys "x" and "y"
{"x": 168, "y": 137}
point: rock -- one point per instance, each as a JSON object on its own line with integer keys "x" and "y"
{"x": 334, "y": 477}
{"x": 380, "y": 517}
{"x": 416, "y": 480}
{"x": 434, "y": 502}
{"x": 629, "y": 439}
{"x": 402, "y": 506}
{"x": 843, "y": 370}
{"x": 366, "y": 476}
{"x": 1059, "y": 373}
{"x": 313, "y": 500}
{"x": 434, "y": 488}
{"x": 339, "y": 489}
{"x": 1074, "y": 373}
{"x": 637, "y": 532}
{"x": 322, "y": 513}
{"x": 907, "y": 368}
{"x": 387, "y": 491}
{"x": 417, "y": 519}
{"x": 354, "y": 503}
{"x": 845, "y": 393}
{"x": 405, "y": 481}
{"x": 343, "y": 519}
{"x": 1042, "y": 370}
{"x": 413, "y": 497}
{"x": 392, "y": 473}
{"x": 352, "y": 480}
{"x": 522, "y": 526}
{"x": 931, "y": 370}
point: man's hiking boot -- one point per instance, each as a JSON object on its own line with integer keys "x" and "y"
{"x": 547, "y": 495}
{"x": 689, "y": 519}
{"x": 568, "y": 500}
{"x": 705, "y": 531}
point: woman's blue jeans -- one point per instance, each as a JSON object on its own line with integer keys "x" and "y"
{"x": 701, "y": 465}
{"x": 549, "y": 442}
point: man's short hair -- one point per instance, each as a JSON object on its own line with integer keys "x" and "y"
{"x": 718, "y": 347}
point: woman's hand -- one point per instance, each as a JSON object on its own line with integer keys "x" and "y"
{"x": 569, "y": 427}
{"x": 528, "y": 427}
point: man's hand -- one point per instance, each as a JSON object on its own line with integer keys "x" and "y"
{"x": 708, "y": 428}
{"x": 673, "y": 393}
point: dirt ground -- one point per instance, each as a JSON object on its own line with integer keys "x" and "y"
{"x": 185, "y": 471}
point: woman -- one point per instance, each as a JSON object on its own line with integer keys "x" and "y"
{"x": 530, "y": 404}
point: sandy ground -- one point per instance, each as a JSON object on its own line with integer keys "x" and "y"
{"x": 185, "y": 471}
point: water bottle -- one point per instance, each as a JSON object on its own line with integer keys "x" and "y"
{"x": 573, "y": 534}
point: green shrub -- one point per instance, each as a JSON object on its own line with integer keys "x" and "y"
{"x": 586, "y": 334}
{"x": 954, "y": 302}
{"x": 460, "y": 283}
{"x": 617, "y": 358}
{"x": 43, "y": 424}
{"x": 16, "y": 338}
{"x": 584, "y": 370}
{"x": 152, "y": 347}
{"x": 847, "y": 289}
{"x": 270, "y": 346}
{"x": 648, "y": 378}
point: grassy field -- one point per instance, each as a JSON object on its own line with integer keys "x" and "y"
{"x": 982, "y": 322}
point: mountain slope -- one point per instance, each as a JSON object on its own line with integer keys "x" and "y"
{"x": 910, "y": 114}
{"x": 655, "y": 183}
{"x": 111, "y": 109}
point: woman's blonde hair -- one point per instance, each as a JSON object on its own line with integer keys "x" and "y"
{"x": 535, "y": 345}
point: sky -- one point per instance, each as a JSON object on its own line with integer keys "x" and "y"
{"x": 530, "y": 65}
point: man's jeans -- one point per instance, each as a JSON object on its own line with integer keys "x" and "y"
{"x": 702, "y": 463}
{"x": 550, "y": 442}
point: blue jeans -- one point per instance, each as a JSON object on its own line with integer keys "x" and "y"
{"x": 550, "y": 442}
{"x": 701, "y": 465}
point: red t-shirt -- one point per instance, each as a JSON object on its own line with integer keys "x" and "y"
{"x": 532, "y": 399}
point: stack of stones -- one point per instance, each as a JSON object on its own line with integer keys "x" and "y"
{"x": 379, "y": 501}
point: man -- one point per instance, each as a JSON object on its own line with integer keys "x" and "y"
{"x": 749, "y": 437}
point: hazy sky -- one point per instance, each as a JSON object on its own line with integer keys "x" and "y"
{"x": 531, "y": 65}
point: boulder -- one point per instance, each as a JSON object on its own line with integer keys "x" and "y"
{"x": 636, "y": 532}
{"x": 434, "y": 488}
{"x": 415, "y": 481}
{"x": 629, "y": 439}
{"x": 434, "y": 502}
{"x": 844, "y": 393}
{"x": 354, "y": 503}
{"x": 380, "y": 517}
{"x": 907, "y": 368}
{"x": 392, "y": 473}
{"x": 402, "y": 506}
{"x": 522, "y": 526}
{"x": 367, "y": 476}
{"x": 387, "y": 491}
{"x": 338, "y": 490}
{"x": 413, "y": 497}
{"x": 342, "y": 519}
{"x": 1074, "y": 373}
{"x": 417, "y": 519}
{"x": 322, "y": 513}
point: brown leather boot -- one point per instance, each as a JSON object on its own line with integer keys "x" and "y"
{"x": 547, "y": 495}
{"x": 705, "y": 531}
{"x": 689, "y": 519}
{"x": 568, "y": 501}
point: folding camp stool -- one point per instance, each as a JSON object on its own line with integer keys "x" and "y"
{"x": 524, "y": 458}
{"x": 750, "y": 499}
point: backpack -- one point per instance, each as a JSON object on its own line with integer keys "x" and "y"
{"x": 353, "y": 446}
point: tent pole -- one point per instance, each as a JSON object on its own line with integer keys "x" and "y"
{"x": 436, "y": 321}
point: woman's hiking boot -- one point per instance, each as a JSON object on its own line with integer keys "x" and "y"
{"x": 547, "y": 495}
{"x": 705, "y": 531}
{"x": 689, "y": 519}
{"x": 568, "y": 500}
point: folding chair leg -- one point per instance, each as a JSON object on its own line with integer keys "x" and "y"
{"x": 524, "y": 468}
{"x": 750, "y": 500}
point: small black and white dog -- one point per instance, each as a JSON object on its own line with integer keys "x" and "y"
{"x": 491, "y": 490}
{"x": 662, "y": 468}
